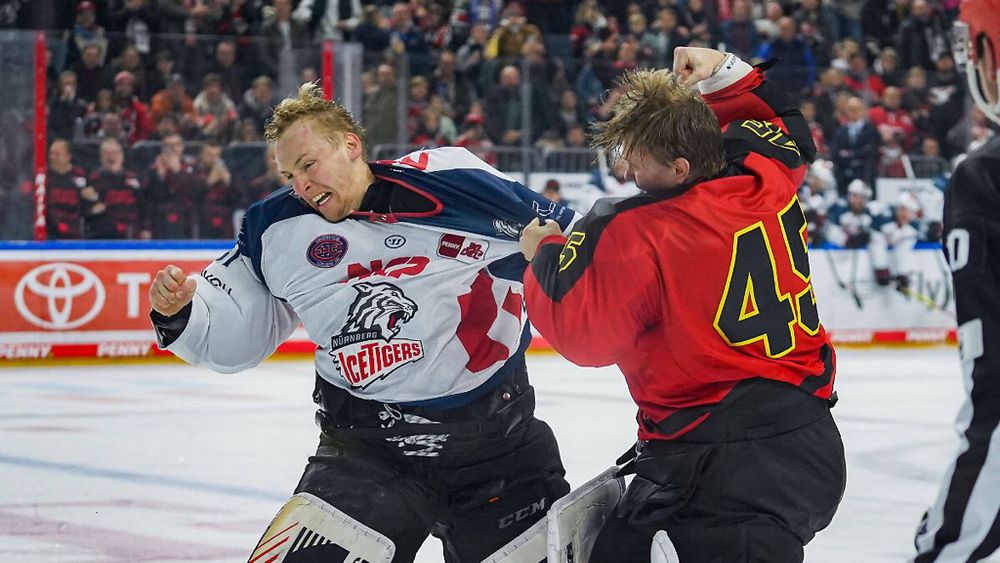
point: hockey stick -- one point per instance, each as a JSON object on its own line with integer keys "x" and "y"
{"x": 924, "y": 300}
{"x": 854, "y": 279}
{"x": 840, "y": 281}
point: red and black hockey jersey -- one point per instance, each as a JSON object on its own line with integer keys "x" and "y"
{"x": 697, "y": 289}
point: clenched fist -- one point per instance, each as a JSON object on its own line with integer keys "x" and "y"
{"x": 171, "y": 290}
{"x": 694, "y": 64}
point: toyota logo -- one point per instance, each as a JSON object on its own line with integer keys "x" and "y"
{"x": 58, "y": 284}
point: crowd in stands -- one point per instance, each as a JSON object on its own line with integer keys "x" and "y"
{"x": 875, "y": 79}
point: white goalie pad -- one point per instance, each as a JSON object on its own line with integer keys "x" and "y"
{"x": 307, "y": 529}
{"x": 662, "y": 550}
{"x": 529, "y": 547}
{"x": 575, "y": 519}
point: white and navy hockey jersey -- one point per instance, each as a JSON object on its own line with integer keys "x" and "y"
{"x": 423, "y": 307}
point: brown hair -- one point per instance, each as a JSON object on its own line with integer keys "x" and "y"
{"x": 663, "y": 119}
{"x": 332, "y": 117}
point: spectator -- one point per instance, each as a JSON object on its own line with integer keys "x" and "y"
{"x": 474, "y": 137}
{"x": 112, "y": 127}
{"x": 418, "y": 100}
{"x": 381, "y": 108}
{"x": 135, "y": 115}
{"x": 820, "y": 50}
{"x": 63, "y": 200}
{"x": 277, "y": 48}
{"x": 86, "y": 31}
{"x": 232, "y": 74}
{"x": 218, "y": 201}
{"x": 373, "y": 33}
{"x": 137, "y": 20}
{"x": 822, "y": 16}
{"x": 163, "y": 70}
{"x": 808, "y": 109}
{"x": 67, "y": 111}
{"x": 91, "y": 75}
{"x": 916, "y": 98}
{"x": 165, "y": 127}
{"x": 329, "y": 19}
{"x": 102, "y": 106}
{"x": 428, "y": 131}
{"x": 130, "y": 60}
{"x": 851, "y": 221}
{"x": 668, "y": 37}
{"x": 922, "y": 38}
{"x": 118, "y": 211}
{"x": 880, "y": 21}
{"x": 638, "y": 31}
{"x": 551, "y": 16}
{"x": 891, "y": 121}
{"x": 453, "y": 88}
{"x": 887, "y": 67}
{"x": 768, "y": 25}
{"x": 797, "y": 70}
{"x": 216, "y": 111}
{"x": 576, "y": 138}
{"x": 854, "y": 147}
{"x": 551, "y": 191}
{"x": 569, "y": 114}
{"x": 512, "y": 33}
{"x": 406, "y": 38}
{"x": 850, "y": 18}
{"x": 471, "y": 58}
{"x": 739, "y": 34}
{"x": 946, "y": 96}
{"x": 261, "y": 186}
{"x": 697, "y": 18}
{"x": 504, "y": 119}
{"x": 174, "y": 101}
{"x": 258, "y": 102}
{"x": 247, "y": 132}
{"x": 863, "y": 81}
{"x": 170, "y": 188}
{"x": 446, "y": 124}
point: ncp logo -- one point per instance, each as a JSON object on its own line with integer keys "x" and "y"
{"x": 59, "y": 296}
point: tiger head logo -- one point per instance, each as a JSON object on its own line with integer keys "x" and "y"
{"x": 379, "y": 307}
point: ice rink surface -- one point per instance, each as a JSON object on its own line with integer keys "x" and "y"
{"x": 164, "y": 462}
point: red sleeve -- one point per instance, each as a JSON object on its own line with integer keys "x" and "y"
{"x": 591, "y": 296}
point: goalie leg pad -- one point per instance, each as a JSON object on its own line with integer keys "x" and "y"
{"x": 309, "y": 530}
{"x": 529, "y": 547}
{"x": 662, "y": 550}
{"x": 575, "y": 520}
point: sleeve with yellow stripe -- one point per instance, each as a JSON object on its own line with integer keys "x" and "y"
{"x": 592, "y": 293}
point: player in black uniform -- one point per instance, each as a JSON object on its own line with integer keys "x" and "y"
{"x": 964, "y": 522}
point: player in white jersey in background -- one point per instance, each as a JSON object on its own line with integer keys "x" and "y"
{"x": 408, "y": 277}
{"x": 963, "y": 524}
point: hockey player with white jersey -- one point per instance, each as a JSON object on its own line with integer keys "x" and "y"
{"x": 892, "y": 243}
{"x": 851, "y": 222}
{"x": 407, "y": 275}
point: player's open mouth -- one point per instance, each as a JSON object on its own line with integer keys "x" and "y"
{"x": 321, "y": 199}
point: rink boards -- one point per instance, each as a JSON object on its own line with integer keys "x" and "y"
{"x": 89, "y": 300}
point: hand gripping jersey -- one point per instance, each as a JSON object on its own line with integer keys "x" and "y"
{"x": 421, "y": 308}
{"x": 697, "y": 289}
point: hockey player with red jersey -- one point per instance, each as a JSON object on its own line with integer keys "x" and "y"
{"x": 963, "y": 524}
{"x": 699, "y": 290}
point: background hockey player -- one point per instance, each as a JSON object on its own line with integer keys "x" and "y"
{"x": 892, "y": 243}
{"x": 963, "y": 524}
{"x": 699, "y": 289}
{"x": 406, "y": 275}
{"x": 852, "y": 219}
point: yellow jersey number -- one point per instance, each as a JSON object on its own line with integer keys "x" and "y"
{"x": 753, "y": 306}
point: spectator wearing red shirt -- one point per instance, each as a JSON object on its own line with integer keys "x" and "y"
{"x": 891, "y": 120}
{"x": 135, "y": 115}
{"x": 862, "y": 80}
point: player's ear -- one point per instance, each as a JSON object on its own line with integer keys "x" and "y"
{"x": 682, "y": 167}
{"x": 355, "y": 147}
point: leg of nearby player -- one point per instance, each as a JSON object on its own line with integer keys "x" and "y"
{"x": 499, "y": 497}
{"x": 357, "y": 496}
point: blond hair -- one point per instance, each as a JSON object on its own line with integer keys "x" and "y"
{"x": 331, "y": 117}
{"x": 659, "y": 117}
